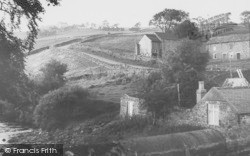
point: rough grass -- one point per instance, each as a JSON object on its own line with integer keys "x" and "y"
{"x": 77, "y": 64}
{"x": 65, "y": 36}
{"x": 118, "y": 43}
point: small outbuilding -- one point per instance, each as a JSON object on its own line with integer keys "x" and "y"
{"x": 131, "y": 106}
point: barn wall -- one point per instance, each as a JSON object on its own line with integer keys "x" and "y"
{"x": 227, "y": 116}
{"x": 226, "y": 48}
{"x": 145, "y": 46}
{"x": 156, "y": 46}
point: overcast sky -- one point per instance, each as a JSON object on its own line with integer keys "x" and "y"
{"x": 129, "y": 12}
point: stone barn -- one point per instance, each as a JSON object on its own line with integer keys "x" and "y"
{"x": 224, "y": 106}
{"x": 233, "y": 46}
{"x": 131, "y": 106}
{"x": 157, "y": 45}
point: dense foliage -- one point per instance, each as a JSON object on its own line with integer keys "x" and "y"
{"x": 7, "y": 111}
{"x": 168, "y": 19}
{"x": 52, "y": 77}
{"x": 15, "y": 85}
{"x": 183, "y": 68}
{"x": 187, "y": 29}
{"x": 59, "y": 106}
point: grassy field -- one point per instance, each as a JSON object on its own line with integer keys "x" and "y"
{"x": 122, "y": 43}
{"x": 76, "y": 62}
{"x": 65, "y": 36}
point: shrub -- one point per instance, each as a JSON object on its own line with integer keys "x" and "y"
{"x": 52, "y": 76}
{"x": 7, "y": 111}
{"x": 58, "y": 107}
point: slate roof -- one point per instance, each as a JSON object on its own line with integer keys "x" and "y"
{"x": 166, "y": 36}
{"x": 237, "y": 98}
{"x": 153, "y": 37}
{"x": 229, "y": 38}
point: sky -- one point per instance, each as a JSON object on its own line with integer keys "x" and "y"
{"x": 128, "y": 12}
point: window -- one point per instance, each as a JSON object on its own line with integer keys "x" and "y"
{"x": 238, "y": 56}
{"x": 231, "y": 45}
{"x": 214, "y": 48}
{"x": 214, "y": 56}
{"x": 213, "y": 114}
{"x": 224, "y": 56}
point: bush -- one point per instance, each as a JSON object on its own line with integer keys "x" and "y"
{"x": 59, "y": 106}
{"x": 52, "y": 77}
{"x": 66, "y": 104}
{"x": 7, "y": 111}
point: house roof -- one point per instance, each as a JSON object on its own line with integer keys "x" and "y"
{"x": 237, "y": 98}
{"x": 229, "y": 38}
{"x": 166, "y": 36}
{"x": 153, "y": 37}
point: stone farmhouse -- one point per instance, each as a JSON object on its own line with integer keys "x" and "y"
{"x": 224, "y": 106}
{"x": 156, "y": 45}
{"x": 233, "y": 46}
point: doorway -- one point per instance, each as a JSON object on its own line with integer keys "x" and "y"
{"x": 238, "y": 56}
{"x": 130, "y": 108}
{"x": 213, "y": 114}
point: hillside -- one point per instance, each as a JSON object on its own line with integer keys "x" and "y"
{"x": 119, "y": 43}
{"x": 65, "y": 36}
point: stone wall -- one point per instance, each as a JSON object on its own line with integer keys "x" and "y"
{"x": 223, "y": 50}
{"x": 227, "y": 117}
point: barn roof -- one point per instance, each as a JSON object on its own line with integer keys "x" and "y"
{"x": 237, "y": 98}
{"x": 229, "y": 38}
{"x": 166, "y": 36}
{"x": 153, "y": 37}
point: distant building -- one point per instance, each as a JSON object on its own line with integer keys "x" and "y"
{"x": 131, "y": 106}
{"x": 232, "y": 46}
{"x": 157, "y": 45}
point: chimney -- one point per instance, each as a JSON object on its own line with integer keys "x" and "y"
{"x": 201, "y": 91}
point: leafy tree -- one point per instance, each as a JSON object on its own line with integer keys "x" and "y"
{"x": 245, "y": 17}
{"x": 52, "y": 76}
{"x": 14, "y": 84}
{"x": 160, "y": 97}
{"x": 59, "y": 106}
{"x": 185, "y": 67}
{"x": 187, "y": 29}
{"x": 168, "y": 19}
{"x": 136, "y": 27}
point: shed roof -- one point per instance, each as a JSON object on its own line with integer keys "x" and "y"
{"x": 237, "y": 98}
{"x": 153, "y": 37}
{"x": 166, "y": 36}
{"x": 229, "y": 38}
